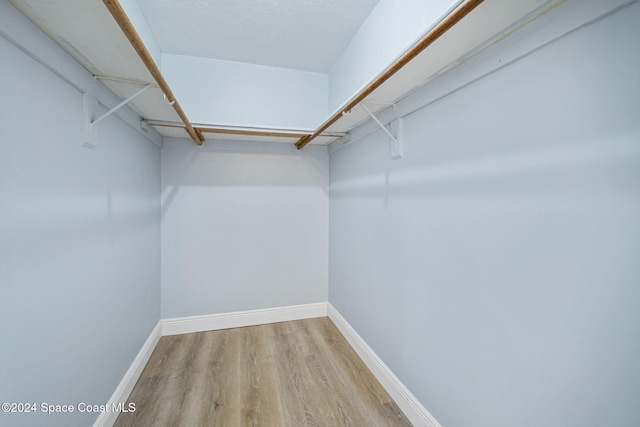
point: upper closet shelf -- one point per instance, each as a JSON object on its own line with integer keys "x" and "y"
{"x": 255, "y": 91}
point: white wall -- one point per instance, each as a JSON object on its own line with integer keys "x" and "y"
{"x": 244, "y": 226}
{"x": 232, "y": 93}
{"x": 79, "y": 246}
{"x": 495, "y": 268}
{"x": 135, "y": 15}
{"x": 391, "y": 28}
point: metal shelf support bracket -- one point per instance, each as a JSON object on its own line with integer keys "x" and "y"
{"x": 90, "y": 131}
{"x": 397, "y": 140}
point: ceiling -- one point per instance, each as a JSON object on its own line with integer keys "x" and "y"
{"x": 309, "y": 34}
{"x": 304, "y": 35}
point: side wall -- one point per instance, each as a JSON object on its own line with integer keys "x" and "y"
{"x": 495, "y": 268}
{"x": 244, "y": 227}
{"x": 392, "y": 27}
{"x": 79, "y": 246}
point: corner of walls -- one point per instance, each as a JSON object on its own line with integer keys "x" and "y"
{"x": 244, "y": 227}
{"x": 407, "y": 402}
{"x": 128, "y": 382}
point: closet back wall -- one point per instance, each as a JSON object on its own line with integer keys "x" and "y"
{"x": 244, "y": 227}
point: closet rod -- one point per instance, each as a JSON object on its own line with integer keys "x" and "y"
{"x": 438, "y": 30}
{"x": 252, "y": 132}
{"x": 130, "y": 32}
{"x": 243, "y": 130}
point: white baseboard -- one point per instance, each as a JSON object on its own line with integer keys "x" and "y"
{"x": 412, "y": 408}
{"x": 130, "y": 378}
{"x": 212, "y": 322}
{"x": 415, "y": 412}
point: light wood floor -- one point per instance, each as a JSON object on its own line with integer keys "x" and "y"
{"x": 301, "y": 373}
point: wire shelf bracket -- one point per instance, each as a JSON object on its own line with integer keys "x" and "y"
{"x": 396, "y": 135}
{"x": 89, "y": 104}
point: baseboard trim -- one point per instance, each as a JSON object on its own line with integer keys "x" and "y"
{"x": 412, "y": 408}
{"x": 212, "y": 322}
{"x": 124, "y": 389}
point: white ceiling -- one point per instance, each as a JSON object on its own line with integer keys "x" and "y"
{"x": 307, "y": 35}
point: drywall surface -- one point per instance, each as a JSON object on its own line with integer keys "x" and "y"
{"x": 79, "y": 247}
{"x": 244, "y": 226}
{"x": 221, "y": 92}
{"x": 137, "y": 18}
{"x": 495, "y": 268}
{"x": 391, "y": 28}
{"x": 275, "y": 33}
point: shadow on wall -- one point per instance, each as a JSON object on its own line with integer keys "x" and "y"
{"x": 241, "y": 164}
{"x": 579, "y": 168}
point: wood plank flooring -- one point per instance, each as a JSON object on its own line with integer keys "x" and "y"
{"x": 296, "y": 374}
